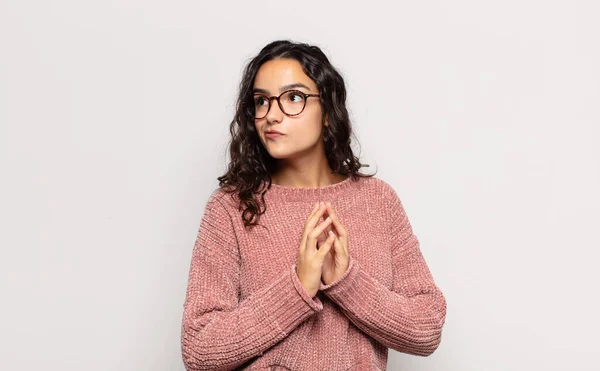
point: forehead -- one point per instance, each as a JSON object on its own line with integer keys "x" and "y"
{"x": 274, "y": 74}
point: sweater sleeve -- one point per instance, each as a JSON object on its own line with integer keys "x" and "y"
{"x": 220, "y": 332}
{"x": 409, "y": 318}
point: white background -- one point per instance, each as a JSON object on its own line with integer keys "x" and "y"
{"x": 114, "y": 118}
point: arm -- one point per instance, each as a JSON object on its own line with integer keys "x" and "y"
{"x": 409, "y": 318}
{"x": 218, "y": 332}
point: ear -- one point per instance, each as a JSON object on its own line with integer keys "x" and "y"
{"x": 326, "y": 122}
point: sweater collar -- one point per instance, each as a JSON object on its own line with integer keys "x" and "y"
{"x": 310, "y": 193}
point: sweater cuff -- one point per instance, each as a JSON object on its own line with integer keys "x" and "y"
{"x": 286, "y": 302}
{"x": 345, "y": 282}
{"x": 314, "y": 302}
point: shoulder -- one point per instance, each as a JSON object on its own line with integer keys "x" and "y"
{"x": 218, "y": 206}
{"x": 379, "y": 187}
{"x": 223, "y": 198}
{"x": 386, "y": 194}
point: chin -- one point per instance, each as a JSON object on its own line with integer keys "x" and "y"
{"x": 285, "y": 152}
{"x": 280, "y": 154}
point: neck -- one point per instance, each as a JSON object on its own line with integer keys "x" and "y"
{"x": 306, "y": 179}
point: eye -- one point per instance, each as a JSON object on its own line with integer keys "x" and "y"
{"x": 259, "y": 100}
{"x": 293, "y": 96}
{"x": 296, "y": 97}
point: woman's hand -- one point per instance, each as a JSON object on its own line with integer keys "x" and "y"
{"x": 337, "y": 260}
{"x": 310, "y": 260}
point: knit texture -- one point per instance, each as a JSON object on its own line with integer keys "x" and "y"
{"x": 246, "y": 309}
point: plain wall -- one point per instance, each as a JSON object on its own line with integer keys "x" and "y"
{"x": 114, "y": 119}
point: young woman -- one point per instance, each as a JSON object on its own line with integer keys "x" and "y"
{"x": 301, "y": 262}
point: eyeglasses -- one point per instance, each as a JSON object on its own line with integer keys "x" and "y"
{"x": 291, "y": 102}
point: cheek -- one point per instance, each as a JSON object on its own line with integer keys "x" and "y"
{"x": 258, "y": 126}
{"x": 309, "y": 130}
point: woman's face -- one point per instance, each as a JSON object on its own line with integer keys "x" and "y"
{"x": 301, "y": 133}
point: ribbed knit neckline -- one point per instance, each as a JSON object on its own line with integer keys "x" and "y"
{"x": 310, "y": 193}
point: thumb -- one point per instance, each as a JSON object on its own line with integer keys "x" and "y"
{"x": 326, "y": 246}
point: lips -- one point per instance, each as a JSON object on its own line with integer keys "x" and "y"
{"x": 273, "y": 132}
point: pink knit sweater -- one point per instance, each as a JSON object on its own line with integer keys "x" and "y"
{"x": 245, "y": 308}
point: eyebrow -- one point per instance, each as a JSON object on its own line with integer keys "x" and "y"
{"x": 283, "y": 88}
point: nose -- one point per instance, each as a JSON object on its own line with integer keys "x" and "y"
{"x": 275, "y": 114}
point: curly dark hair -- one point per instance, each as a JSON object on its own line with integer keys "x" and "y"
{"x": 251, "y": 165}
